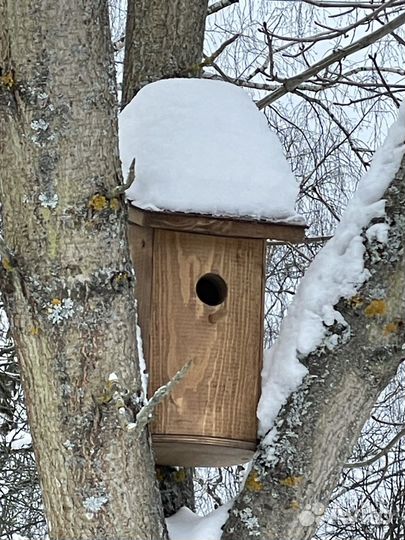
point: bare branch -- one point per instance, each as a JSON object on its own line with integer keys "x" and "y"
{"x": 373, "y": 58}
{"x": 379, "y": 455}
{"x": 118, "y": 190}
{"x": 209, "y": 60}
{"x": 343, "y": 4}
{"x": 293, "y": 83}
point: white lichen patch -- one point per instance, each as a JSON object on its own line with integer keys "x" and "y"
{"x": 249, "y": 520}
{"x": 39, "y": 125}
{"x": 48, "y": 201}
{"x": 68, "y": 445}
{"x": 94, "y": 504}
{"x": 60, "y": 310}
{"x": 311, "y": 514}
{"x": 113, "y": 377}
{"x": 42, "y": 99}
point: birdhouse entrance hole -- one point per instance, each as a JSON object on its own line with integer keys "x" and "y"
{"x": 211, "y": 289}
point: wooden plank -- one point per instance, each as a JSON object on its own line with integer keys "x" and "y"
{"x": 217, "y": 226}
{"x": 219, "y": 395}
{"x": 141, "y": 247}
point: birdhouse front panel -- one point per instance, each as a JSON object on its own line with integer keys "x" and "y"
{"x": 207, "y": 308}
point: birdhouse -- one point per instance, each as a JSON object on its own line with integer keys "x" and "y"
{"x": 200, "y": 283}
{"x": 211, "y": 186}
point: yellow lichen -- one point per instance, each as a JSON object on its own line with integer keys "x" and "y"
{"x": 295, "y": 505}
{"x": 35, "y": 330}
{"x": 376, "y": 308}
{"x": 6, "y": 263}
{"x": 180, "y": 476}
{"x": 253, "y": 482}
{"x": 56, "y": 301}
{"x": 356, "y": 301}
{"x": 7, "y": 80}
{"x": 98, "y": 202}
{"x": 391, "y": 328}
{"x": 292, "y": 481}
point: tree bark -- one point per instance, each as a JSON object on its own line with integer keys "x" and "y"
{"x": 288, "y": 489}
{"x": 162, "y": 40}
{"x": 66, "y": 270}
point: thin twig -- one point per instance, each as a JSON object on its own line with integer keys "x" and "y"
{"x": 118, "y": 190}
{"x": 145, "y": 415}
{"x": 209, "y": 60}
{"x": 373, "y": 58}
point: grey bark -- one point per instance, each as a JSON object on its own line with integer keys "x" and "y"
{"x": 284, "y": 495}
{"x": 66, "y": 271}
{"x": 176, "y": 488}
{"x": 163, "y": 40}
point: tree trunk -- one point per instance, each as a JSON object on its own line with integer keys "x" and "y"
{"x": 288, "y": 488}
{"x": 67, "y": 273}
{"x": 162, "y": 40}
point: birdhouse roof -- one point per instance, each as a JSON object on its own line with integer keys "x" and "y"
{"x": 201, "y": 146}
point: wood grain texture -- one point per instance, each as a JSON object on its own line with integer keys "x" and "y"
{"x": 218, "y": 226}
{"x": 219, "y": 395}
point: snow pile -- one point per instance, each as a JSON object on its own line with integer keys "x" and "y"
{"x": 202, "y": 146}
{"x": 337, "y": 271}
{"x": 185, "y": 525}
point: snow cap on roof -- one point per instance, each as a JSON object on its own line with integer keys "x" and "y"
{"x": 202, "y": 146}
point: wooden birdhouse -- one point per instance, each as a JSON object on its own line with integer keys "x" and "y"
{"x": 200, "y": 298}
{"x": 212, "y": 185}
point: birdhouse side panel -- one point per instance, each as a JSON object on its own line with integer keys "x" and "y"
{"x": 141, "y": 247}
{"x": 207, "y": 298}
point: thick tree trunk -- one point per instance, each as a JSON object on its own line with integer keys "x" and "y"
{"x": 289, "y": 487}
{"x": 162, "y": 40}
{"x": 66, "y": 269}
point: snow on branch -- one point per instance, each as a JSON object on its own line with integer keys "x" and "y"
{"x": 338, "y": 271}
{"x": 214, "y": 8}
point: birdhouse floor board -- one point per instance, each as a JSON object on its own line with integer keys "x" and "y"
{"x": 217, "y": 226}
{"x": 200, "y": 451}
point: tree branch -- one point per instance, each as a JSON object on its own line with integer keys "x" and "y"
{"x": 214, "y": 8}
{"x": 145, "y": 415}
{"x": 289, "y": 85}
{"x": 379, "y": 455}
